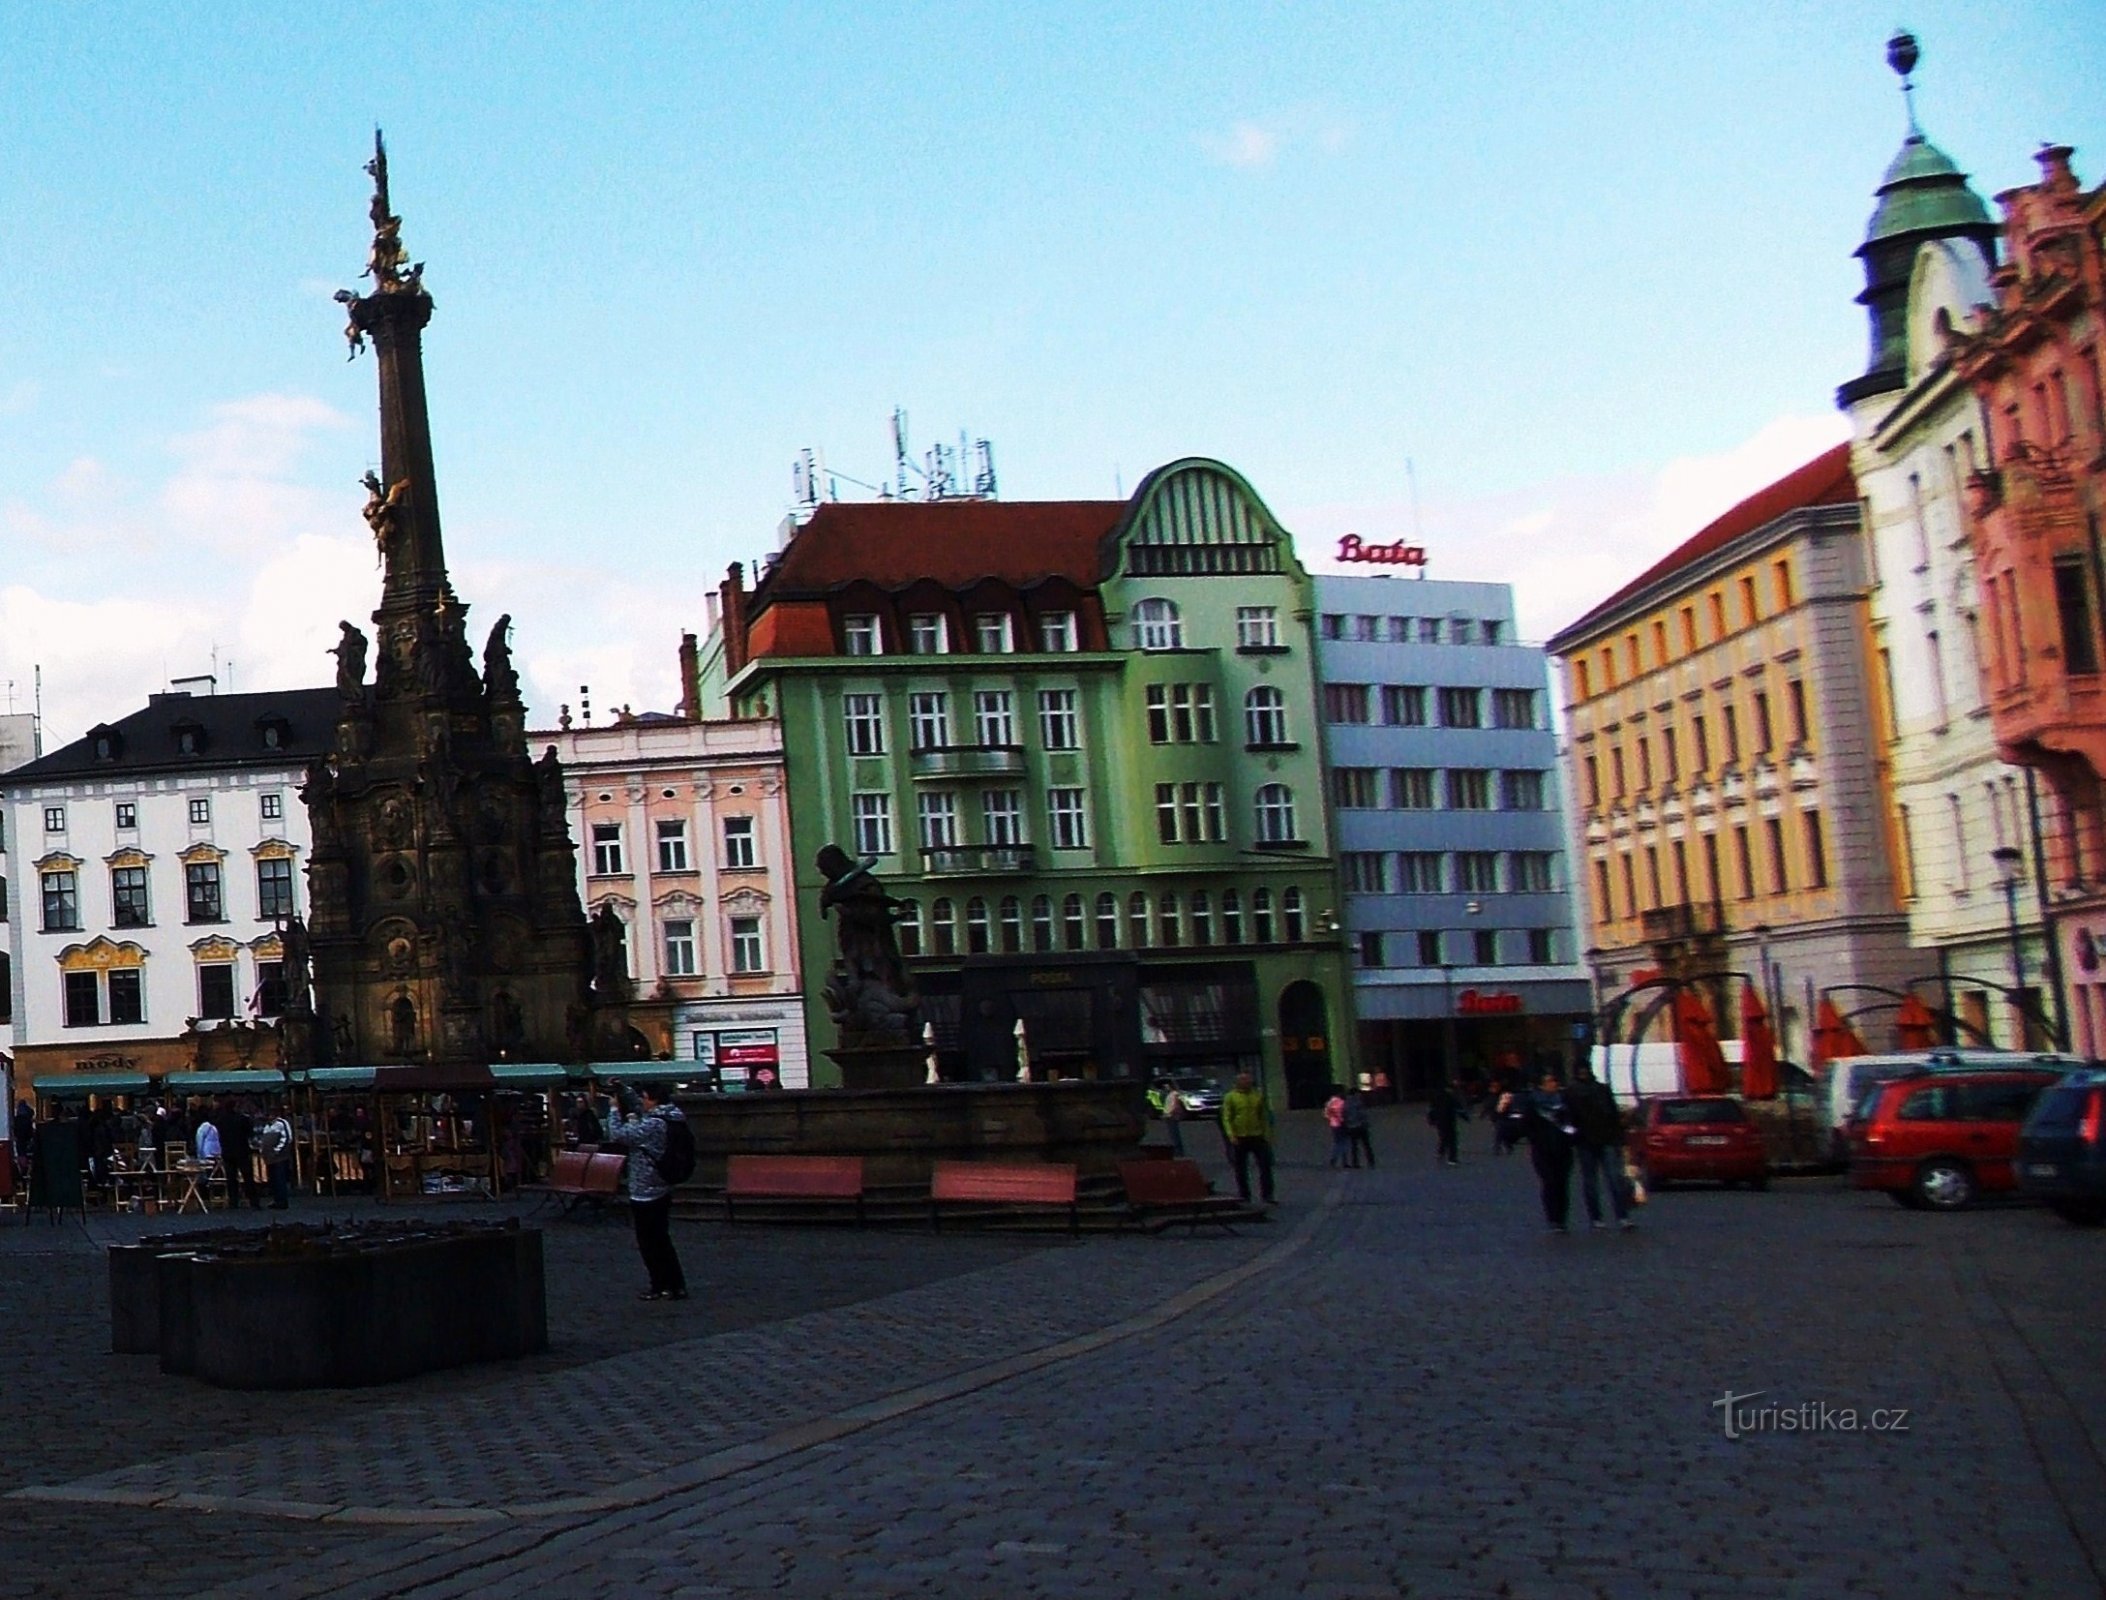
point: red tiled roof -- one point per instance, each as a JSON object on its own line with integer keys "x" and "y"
{"x": 1824, "y": 481}
{"x": 955, "y": 543}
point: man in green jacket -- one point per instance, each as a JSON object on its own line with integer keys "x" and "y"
{"x": 1246, "y": 1120}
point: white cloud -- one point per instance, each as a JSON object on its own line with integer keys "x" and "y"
{"x": 1254, "y": 142}
{"x": 1247, "y": 144}
{"x": 236, "y": 485}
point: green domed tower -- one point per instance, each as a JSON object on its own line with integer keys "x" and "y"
{"x": 1922, "y": 197}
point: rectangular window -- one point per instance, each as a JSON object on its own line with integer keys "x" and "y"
{"x": 270, "y": 988}
{"x": 992, "y": 634}
{"x": 1591, "y": 768}
{"x": 606, "y": 851}
{"x": 1750, "y": 609}
{"x": 739, "y": 843}
{"x": 1411, "y": 788}
{"x": 1781, "y": 570}
{"x": 1058, "y": 726}
{"x": 1166, "y": 812}
{"x": 928, "y": 633}
{"x": 863, "y": 718}
{"x": 1330, "y": 626}
{"x": 202, "y": 897}
{"x": 860, "y": 636}
{"x": 1461, "y": 708}
{"x": 1181, "y": 713}
{"x": 749, "y": 952}
{"x": 1795, "y": 707}
{"x": 1762, "y": 722}
{"x": 1459, "y": 630}
{"x": 200, "y": 811}
{"x": 128, "y": 814}
{"x": 1540, "y": 947}
{"x": 680, "y": 949}
{"x": 54, "y": 819}
{"x": 1616, "y": 769}
{"x": 1354, "y": 788}
{"x": 128, "y": 897}
{"x": 1469, "y": 789}
{"x": 83, "y": 1000}
{"x": 938, "y": 810}
{"x": 2080, "y": 648}
{"x": 1490, "y": 631}
{"x": 1368, "y": 946}
{"x": 1645, "y": 762}
{"x": 1419, "y": 872}
{"x": 1671, "y": 761}
{"x": 1257, "y": 628}
{"x": 215, "y": 991}
{"x": 672, "y": 845}
{"x": 1430, "y": 947}
{"x": 1486, "y": 947}
{"x": 1216, "y": 812}
{"x": 1521, "y": 791}
{"x": 1188, "y": 802}
{"x": 1346, "y": 703}
{"x": 1703, "y": 743}
{"x": 1429, "y": 630}
{"x": 1816, "y": 852}
{"x": 1773, "y": 832}
{"x": 1364, "y": 871}
{"x": 1367, "y": 629}
{"x": 1744, "y": 858}
{"x": 1729, "y": 722}
{"x": 1056, "y": 632}
{"x": 1529, "y": 871}
{"x": 994, "y": 718}
{"x": 870, "y": 818}
{"x": 1476, "y": 872}
{"x": 1002, "y": 815}
{"x": 271, "y": 807}
{"x": 1513, "y": 708}
{"x": 274, "y": 888}
{"x": 929, "y": 719}
{"x": 1404, "y": 705}
{"x": 1069, "y": 820}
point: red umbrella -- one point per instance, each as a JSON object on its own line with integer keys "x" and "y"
{"x": 1696, "y": 1046}
{"x": 1833, "y": 1038}
{"x": 1758, "y": 1050}
{"x": 1916, "y": 1026}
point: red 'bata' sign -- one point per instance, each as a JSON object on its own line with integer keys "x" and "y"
{"x": 1353, "y": 548}
{"x": 1477, "y": 1003}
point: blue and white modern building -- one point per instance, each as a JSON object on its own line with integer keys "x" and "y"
{"x": 1451, "y": 830}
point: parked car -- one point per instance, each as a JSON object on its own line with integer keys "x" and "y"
{"x": 1201, "y": 1094}
{"x": 1848, "y": 1086}
{"x": 1704, "y": 1138}
{"x": 2062, "y": 1148}
{"x": 1938, "y": 1139}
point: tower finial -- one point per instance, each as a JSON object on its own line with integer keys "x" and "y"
{"x": 389, "y": 265}
{"x": 1902, "y": 55}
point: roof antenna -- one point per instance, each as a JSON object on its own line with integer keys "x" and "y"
{"x": 1902, "y": 56}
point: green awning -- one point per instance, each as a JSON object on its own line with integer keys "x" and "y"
{"x": 529, "y": 1075}
{"x": 651, "y": 1071}
{"x": 66, "y": 1086}
{"x": 252, "y": 1081}
{"x": 338, "y": 1077}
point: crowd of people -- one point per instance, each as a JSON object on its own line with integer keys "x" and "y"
{"x": 229, "y": 1138}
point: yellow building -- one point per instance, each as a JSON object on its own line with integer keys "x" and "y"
{"x": 1728, "y": 778}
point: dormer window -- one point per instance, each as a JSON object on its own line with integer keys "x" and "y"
{"x": 860, "y": 635}
{"x": 189, "y": 739}
{"x": 106, "y": 743}
{"x": 275, "y": 732}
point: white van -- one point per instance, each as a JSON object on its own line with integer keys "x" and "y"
{"x": 1853, "y": 1077}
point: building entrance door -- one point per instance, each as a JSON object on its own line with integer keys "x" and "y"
{"x": 1305, "y": 1045}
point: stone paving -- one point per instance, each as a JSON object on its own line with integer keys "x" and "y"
{"x": 1402, "y": 1388}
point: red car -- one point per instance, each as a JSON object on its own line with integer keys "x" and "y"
{"x": 1708, "y": 1139}
{"x": 1935, "y": 1141}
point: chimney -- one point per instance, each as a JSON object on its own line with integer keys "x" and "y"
{"x": 690, "y": 678}
{"x": 732, "y": 598}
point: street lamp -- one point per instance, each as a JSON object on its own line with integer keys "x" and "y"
{"x": 2009, "y": 859}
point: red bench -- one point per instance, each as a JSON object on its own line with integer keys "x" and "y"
{"x": 793, "y": 1178}
{"x": 1164, "y": 1192}
{"x": 1043, "y": 1183}
{"x": 585, "y": 1176}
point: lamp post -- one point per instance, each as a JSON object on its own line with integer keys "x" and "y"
{"x": 1448, "y": 1047}
{"x": 2008, "y": 859}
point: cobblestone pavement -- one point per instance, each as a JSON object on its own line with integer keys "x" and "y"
{"x": 1410, "y": 1390}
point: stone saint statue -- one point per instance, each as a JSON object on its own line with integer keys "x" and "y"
{"x": 296, "y": 967}
{"x": 872, "y": 999}
{"x": 610, "y": 957}
{"x": 350, "y": 653}
{"x": 402, "y": 1026}
{"x": 500, "y": 678}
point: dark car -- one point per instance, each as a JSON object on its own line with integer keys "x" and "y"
{"x": 1706, "y": 1138}
{"x": 1936, "y": 1140}
{"x": 2061, "y": 1152}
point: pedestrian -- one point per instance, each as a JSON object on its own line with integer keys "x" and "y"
{"x": 237, "y": 1150}
{"x": 1509, "y": 1121}
{"x": 1341, "y": 1141}
{"x": 1444, "y": 1110}
{"x": 585, "y": 1124}
{"x": 274, "y": 1142}
{"x": 206, "y": 1145}
{"x": 1174, "y": 1118}
{"x": 1356, "y": 1129}
{"x": 1548, "y": 1128}
{"x": 647, "y": 1136}
{"x": 1598, "y": 1142}
{"x": 1246, "y": 1123}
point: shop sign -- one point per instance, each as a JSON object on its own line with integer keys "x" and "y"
{"x": 1482, "y": 1003}
{"x": 1352, "y": 548}
{"x": 754, "y": 1048}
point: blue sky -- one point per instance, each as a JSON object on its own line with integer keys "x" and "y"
{"x": 1588, "y": 267}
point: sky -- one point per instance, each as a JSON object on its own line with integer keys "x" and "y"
{"x": 1545, "y": 286}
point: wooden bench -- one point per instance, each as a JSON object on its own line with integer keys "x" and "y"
{"x": 1161, "y": 1193}
{"x": 1043, "y": 1183}
{"x": 584, "y": 1177}
{"x": 792, "y": 1178}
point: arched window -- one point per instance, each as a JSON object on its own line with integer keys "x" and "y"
{"x": 1012, "y": 924}
{"x": 1261, "y": 915}
{"x": 1107, "y": 922}
{"x": 976, "y": 926}
{"x": 1170, "y": 924}
{"x": 1291, "y": 915}
{"x": 1231, "y": 917}
{"x": 943, "y": 928}
{"x": 1137, "y": 920}
{"x": 1264, "y": 716}
{"x": 1157, "y": 626}
{"x": 909, "y": 926}
{"x": 1276, "y": 814}
{"x": 1202, "y": 918}
{"x": 1041, "y": 923}
{"x": 1073, "y": 922}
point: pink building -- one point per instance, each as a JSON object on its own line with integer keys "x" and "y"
{"x": 683, "y": 828}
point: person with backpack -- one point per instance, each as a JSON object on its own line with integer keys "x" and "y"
{"x": 1598, "y": 1128}
{"x": 274, "y": 1142}
{"x": 1358, "y": 1142}
{"x": 661, "y": 1150}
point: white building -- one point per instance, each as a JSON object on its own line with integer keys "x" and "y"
{"x": 155, "y": 860}
{"x": 683, "y": 828}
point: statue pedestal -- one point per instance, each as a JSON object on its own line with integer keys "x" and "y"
{"x": 885, "y": 1066}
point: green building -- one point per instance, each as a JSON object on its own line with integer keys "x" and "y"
{"x": 1081, "y": 740}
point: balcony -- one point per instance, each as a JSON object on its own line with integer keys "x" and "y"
{"x": 967, "y": 761}
{"x": 1682, "y": 922}
{"x": 968, "y": 860}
